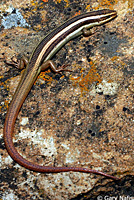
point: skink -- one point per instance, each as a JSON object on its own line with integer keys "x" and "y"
{"x": 40, "y": 60}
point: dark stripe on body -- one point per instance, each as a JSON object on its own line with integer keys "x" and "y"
{"x": 60, "y": 28}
